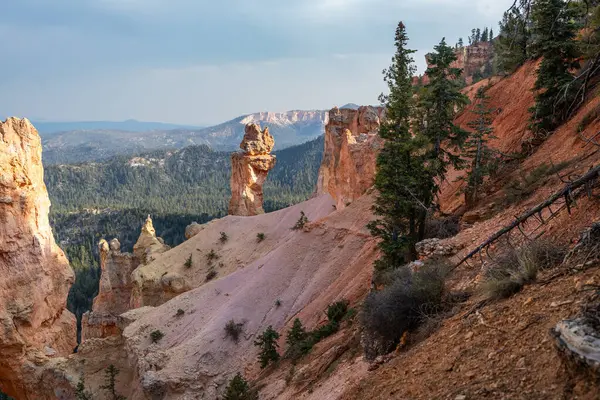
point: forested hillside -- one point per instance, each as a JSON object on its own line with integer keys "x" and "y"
{"x": 111, "y": 199}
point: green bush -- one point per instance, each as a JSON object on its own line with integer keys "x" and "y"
{"x": 212, "y": 274}
{"x": 156, "y": 336}
{"x": 188, "y": 263}
{"x": 303, "y": 220}
{"x": 239, "y": 389}
{"x": 337, "y": 311}
{"x": 260, "y": 237}
{"x": 180, "y": 312}
{"x": 211, "y": 256}
{"x": 387, "y": 314}
{"x": 277, "y": 303}
{"x": 234, "y": 330}
{"x": 224, "y": 237}
{"x": 514, "y": 268}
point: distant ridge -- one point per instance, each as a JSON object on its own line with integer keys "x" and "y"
{"x": 351, "y": 106}
{"x": 130, "y": 125}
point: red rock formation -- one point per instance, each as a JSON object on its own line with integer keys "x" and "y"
{"x": 35, "y": 276}
{"x": 116, "y": 282}
{"x": 471, "y": 59}
{"x": 250, "y": 170}
{"x": 352, "y": 143}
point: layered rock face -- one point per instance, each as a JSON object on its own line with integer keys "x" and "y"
{"x": 116, "y": 282}
{"x": 249, "y": 171}
{"x": 352, "y": 143}
{"x": 35, "y": 275}
{"x": 471, "y": 59}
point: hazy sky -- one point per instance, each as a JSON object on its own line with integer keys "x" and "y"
{"x": 201, "y": 62}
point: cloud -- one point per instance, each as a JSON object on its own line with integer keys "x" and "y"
{"x": 57, "y": 48}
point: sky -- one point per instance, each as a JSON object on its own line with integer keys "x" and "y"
{"x": 204, "y": 62}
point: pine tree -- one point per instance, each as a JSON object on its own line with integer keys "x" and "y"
{"x": 511, "y": 46}
{"x": 482, "y": 157}
{"x": 554, "y": 32}
{"x": 297, "y": 334}
{"x": 110, "y": 385}
{"x": 460, "y": 43}
{"x": 239, "y": 389}
{"x": 80, "y": 392}
{"x": 403, "y": 184}
{"x": 477, "y": 35}
{"x": 484, "y": 35}
{"x": 491, "y": 37}
{"x": 442, "y": 100}
{"x": 268, "y": 347}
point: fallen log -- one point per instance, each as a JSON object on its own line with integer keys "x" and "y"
{"x": 568, "y": 192}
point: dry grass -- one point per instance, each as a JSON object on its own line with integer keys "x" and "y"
{"x": 516, "y": 267}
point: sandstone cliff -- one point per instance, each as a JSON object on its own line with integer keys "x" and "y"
{"x": 250, "y": 170}
{"x": 352, "y": 143}
{"x": 35, "y": 276}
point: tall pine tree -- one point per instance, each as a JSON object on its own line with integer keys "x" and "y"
{"x": 404, "y": 186}
{"x": 441, "y": 102}
{"x": 511, "y": 46}
{"x": 481, "y": 156}
{"x": 554, "y": 30}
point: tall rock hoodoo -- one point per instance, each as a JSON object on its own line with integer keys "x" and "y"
{"x": 352, "y": 143}
{"x": 249, "y": 171}
{"x": 116, "y": 282}
{"x": 35, "y": 275}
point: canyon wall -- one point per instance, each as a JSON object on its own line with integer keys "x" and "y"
{"x": 352, "y": 143}
{"x": 249, "y": 171}
{"x": 35, "y": 275}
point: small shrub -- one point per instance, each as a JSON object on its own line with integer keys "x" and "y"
{"x": 303, "y": 220}
{"x": 239, "y": 389}
{"x": 267, "y": 342}
{"x": 234, "y": 330}
{"x": 527, "y": 184}
{"x": 514, "y": 268}
{"x": 156, "y": 336}
{"x": 188, "y": 263}
{"x": 212, "y": 274}
{"x": 180, "y": 312}
{"x": 337, "y": 311}
{"x": 260, "y": 237}
{"x": 588, "y": 119}
{"x": 212, "y": 256}
{"x": 224, "y": 237}
{"x": 277, "y": 303}
{"x": 442, "y": 228}
{"x": 389, "y": 313}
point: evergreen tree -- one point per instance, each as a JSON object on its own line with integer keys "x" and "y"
{"x": 477, "y": 35}
{"x": 110, "y": 385}
{"x": 268, "y": 347}
{"x": 484, "y": 35}
{"x": 297, "y": 334}
{"x": 491, "y": 37}
{"x": 239, "y": 389}
{"x": 477, "y": 150}
{"x": 511, "y": 46}
{"x": 442, "y": 100}
{"x": 80, "y": 392}
{"x": 403, "y": 184}
{"x": 554, "y": 32}
{"x": 460, "y": 43}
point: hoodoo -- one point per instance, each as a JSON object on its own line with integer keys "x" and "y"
{"x": 352, "y": 143}
{"x": 249, "y": 171}
{"x": 35, "y": 275}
